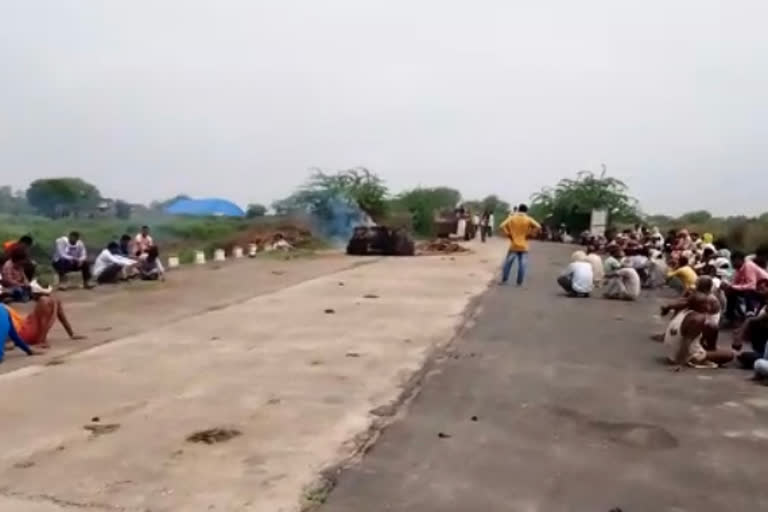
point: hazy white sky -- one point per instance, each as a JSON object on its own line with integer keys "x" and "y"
{"x": 238, "y": 98}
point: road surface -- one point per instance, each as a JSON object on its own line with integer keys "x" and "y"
{"x": 575, "y": 411}
{"x": 287, "y": 376}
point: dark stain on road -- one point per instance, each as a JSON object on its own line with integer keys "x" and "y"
{"x": 100, "y": 430}
{"x": 213, "y": 435}
{"x": 637, "y": 435}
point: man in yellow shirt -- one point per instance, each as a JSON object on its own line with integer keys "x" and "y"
{"x": 683, "y": 278}
{"x": 517, "y": 227}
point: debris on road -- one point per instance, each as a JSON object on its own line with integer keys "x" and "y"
{"x": 100, "y": 430}
{"x": 329, "y": 311}
{"x": 474, "y": 418}
{"x": 443, "y": 435}
{"x": 441, "y": 245}
{"x": 213, "y": 435}
{"x": 352, "y": 354}
{"x": 370, "y": 296}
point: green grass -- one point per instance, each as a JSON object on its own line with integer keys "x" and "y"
{"x": 174, "y": 235}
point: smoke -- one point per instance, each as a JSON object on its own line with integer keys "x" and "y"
{"x": 337, "y": 217}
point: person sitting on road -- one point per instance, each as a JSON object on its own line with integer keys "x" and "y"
{"x": 577, "y": 280}
{"x": 8, "y": 331}
{"x": 14, "y": 280}
{"x": 35, "y": 327}
{"x": 110, "y": 267}
{"x": 622, "y": 284}
{"x": 151, "y": 268}
{"x": 755, "y": 332}
{"x": 25, "y": 242}
{"x": 741, "y": 293}
{"x": 126, "y": 246}
{"x": 596, "y": 261}
{"x": 142, "y": 242}
{"x": 691, "y": 336}
{"x": 682, "y": 278}
{"x": 71, "y": 256}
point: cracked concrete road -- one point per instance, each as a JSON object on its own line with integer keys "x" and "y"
{"x": 107, "y": 428}
{"x": 573, "y": 411}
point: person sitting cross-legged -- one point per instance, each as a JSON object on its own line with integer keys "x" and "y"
{"x": 150, "y": 267}
{"x": 691, "y": 336}
{"x": 577, "y": 280}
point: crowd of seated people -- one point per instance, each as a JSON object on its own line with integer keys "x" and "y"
{"x": 718, "y": 289}
{"x": 130, "y": 258}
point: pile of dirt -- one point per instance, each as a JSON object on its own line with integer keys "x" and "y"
{"x": 296, "y": 234}
{"x": 441, "y": 245}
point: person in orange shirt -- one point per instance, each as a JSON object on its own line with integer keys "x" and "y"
{"x": 35, "y": 327}
{"x": 518, "y": 227}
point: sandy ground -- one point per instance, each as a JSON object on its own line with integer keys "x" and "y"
{"x": 109, "y": 313}
{"x": 552, "y": 404}
{"x": 296, "y": 371}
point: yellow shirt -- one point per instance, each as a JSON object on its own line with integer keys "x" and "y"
{"x": 517, "y": 227}
{"x": 686, "y": 275}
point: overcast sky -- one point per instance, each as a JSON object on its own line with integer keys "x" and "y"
{"x": 239, "y": 98}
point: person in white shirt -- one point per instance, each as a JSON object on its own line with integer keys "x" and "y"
{"x": 150, "y": 267}
{"x": 578, "y": 278}
{"x": 70, "y": 256}
{"x": 143, "y": 241}
{"x": 109, "y": 266}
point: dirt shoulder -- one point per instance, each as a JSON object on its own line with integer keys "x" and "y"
{"x": 304, "y": 374}
{"x": 108, "y": 313}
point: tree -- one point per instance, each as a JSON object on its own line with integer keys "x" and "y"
{"x": 571, "y": 202}
{"x": 255, "y": 210}
{"x": 323, "y": 191}
{"x": 58, "y": 196}
{"x": 695, "y": 217}
{"x": 424, "y": 203}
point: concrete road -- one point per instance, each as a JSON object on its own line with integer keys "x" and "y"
{"x": 112, "y": 312}
{"x": 551, "y": 404}
{"x": 300, "y": 378}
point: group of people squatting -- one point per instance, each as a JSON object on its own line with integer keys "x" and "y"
{"x": 130, "y": 257}
{"x": 714, "y": 288}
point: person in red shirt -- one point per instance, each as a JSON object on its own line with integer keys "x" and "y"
{"x": 743, "y": 288}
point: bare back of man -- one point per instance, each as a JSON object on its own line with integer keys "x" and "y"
{"x": 692, "y": 334}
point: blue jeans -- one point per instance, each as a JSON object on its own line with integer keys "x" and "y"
{"x": 522, "y": 258}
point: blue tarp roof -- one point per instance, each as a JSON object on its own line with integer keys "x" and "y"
{"x": 205, "y": 207}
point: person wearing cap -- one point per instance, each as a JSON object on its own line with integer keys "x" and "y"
{"x": 578, "y": 279}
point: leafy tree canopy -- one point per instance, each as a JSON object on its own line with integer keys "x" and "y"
{"x": 255, "y": 210}
{"x": 571, "y": 202}
{"x": 56, "y": 196}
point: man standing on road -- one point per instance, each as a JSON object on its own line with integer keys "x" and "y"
{"x": 518, "y": 227}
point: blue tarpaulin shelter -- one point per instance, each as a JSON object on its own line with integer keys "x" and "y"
{"x": 205, "y": 208}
